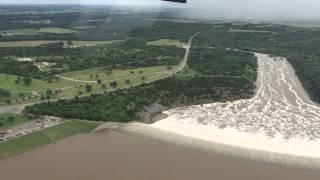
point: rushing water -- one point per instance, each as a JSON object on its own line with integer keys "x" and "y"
{"x": 280, "y": 107}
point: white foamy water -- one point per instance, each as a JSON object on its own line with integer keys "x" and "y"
{"x": 279, "y": 118}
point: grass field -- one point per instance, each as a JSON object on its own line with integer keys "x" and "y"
{"x": 44, "y": 137}
{"x": 55, "y": 30}
{"x": 8, "y": 82}
{"x": 42, "y": 42}
{"x": 93, "y": 43}
{"x": 32, "y": 31}
{"x": 82, "y": 27}
{"x": 101, "y": 73}
{"x": 8, "y": 120}
{"x": 25, "y": 43}
{"x": 25, "y": 31}
{"x": 22, "y": 94}
{"x": 167, "y": 42}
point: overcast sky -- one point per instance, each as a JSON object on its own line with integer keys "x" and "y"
{"x": 113, "y": 2}
{"x": 281, "y": 8}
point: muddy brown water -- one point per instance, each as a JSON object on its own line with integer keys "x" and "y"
{"x": 118, "y": 156}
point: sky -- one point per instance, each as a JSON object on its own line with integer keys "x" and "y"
{"x": 231, "y": 8}
{"x": 112, "y": 2}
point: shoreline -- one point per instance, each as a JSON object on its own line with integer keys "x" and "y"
{"x": 222, "y": 149}
{"x": 115, "y": 153}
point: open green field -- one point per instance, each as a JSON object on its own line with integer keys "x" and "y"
{"x": 42, "y": 42}
{"x": 31, "y": 93}
{"x": 37, "y": 90}
{"x": 8, "y": 120}
{"x": 82, "y": 27}
{"x": 44, "y": 137}
{"x": 25, "y": 43}
{"x": 167, "y": 42}
{"x": 24, "y": 31}
{"x": 101, "y": 73}
{"x": 8, "y": 82}
{"x": 33, "y": 31}
{"x": 55, "y": 30}
{"x": 93, "y": 43}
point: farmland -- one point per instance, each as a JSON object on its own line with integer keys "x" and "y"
{"x": 55, "y": 30}
{"x": 166, "y": 42}
{"x": 36, "y": 43}
{"x": 33, "y": 31}
{"x": 25, "y": 43}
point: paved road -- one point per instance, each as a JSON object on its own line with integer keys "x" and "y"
{"x": 184, "y": 62}
{"x": 185, "y": 59}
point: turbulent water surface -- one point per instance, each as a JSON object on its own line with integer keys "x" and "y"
{"x": 280, "y": 107}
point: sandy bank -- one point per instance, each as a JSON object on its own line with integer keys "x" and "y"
{"x": 232, "y": 145}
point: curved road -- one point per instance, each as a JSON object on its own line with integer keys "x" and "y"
{"x": 185, "y": 59}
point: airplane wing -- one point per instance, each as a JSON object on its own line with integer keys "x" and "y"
{"x": 178, "y": 1}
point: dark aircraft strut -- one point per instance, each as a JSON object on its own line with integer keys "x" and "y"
{"x": 178, "y": 1}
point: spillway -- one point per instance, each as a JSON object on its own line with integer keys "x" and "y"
{"x": 279, "y": 118}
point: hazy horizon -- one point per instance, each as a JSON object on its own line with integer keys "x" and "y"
{"x": 250, "y": 9}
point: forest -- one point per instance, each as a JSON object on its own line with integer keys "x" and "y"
{"x": 226, "y": 62}
{"x": 95, "y": 24}
{"x": 10, "y": 65}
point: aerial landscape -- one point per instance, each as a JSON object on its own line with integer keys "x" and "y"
{"x": 158, "y": 90}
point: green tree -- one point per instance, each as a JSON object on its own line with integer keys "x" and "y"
{"x": 88, "y": 88}
{"x": 49, "y": 92}
{"x": 17, "y": 81}
{"x": 69, "y": 43}
{"x": 27, "y": 81}
{"x": 11, "y": 119}
{"x": 114, "y": 84}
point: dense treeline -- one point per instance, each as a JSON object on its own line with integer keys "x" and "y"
{"x": 10, "y": 65}
{"x": 126, "y": 105}
{"x": 97, "y": 25}
{"x": 219, "y": 61}
{"x": 167, "y": 29}
{"x": 183, "y": 89}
